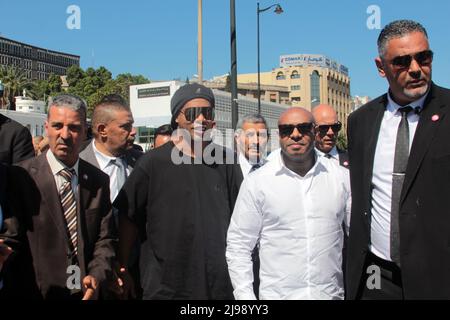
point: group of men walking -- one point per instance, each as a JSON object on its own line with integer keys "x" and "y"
{"x": 100, "y": 219}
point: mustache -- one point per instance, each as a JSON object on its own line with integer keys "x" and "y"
{"x": 64, "y": 142}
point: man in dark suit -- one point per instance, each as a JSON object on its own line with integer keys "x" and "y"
{"x": 327, "y": 130}
{"x": 15, "y": 141}
{"x": 112, "y": 151}
{"x": 69, "y": 224}
{"x": 400, "y": 221}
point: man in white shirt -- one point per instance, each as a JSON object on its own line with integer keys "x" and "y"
{"x": 283, "y": 207}
{"x": 327, "y": 131}
{"x": 251, "y": 141}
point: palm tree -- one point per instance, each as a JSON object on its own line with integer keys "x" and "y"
{"x": 14, "y": 80}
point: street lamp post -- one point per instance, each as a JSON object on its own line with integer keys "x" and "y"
{"x": 233, "y": 71}
{"x": 278, "y": 10}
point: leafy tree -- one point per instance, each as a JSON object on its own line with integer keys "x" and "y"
{"x": 15, "y": 81}
{"x": 342, "y": 141}
{"x": 54, "y": 84}
{"x": 42, "y": 89}
{"x": 91, "y": 85}
{"x": 74, "y": 74}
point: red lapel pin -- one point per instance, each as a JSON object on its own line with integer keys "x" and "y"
{"x": 435, "y": 117}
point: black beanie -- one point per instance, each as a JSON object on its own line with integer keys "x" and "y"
{"x": 186, "y": 93}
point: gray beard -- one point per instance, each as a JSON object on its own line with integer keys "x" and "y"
{"x": 416, "y": 94}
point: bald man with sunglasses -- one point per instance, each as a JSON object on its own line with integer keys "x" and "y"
{"x": 327, "y": 128}
{"x": 294, "y": 207}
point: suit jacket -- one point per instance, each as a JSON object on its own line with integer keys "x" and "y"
{"x": 424, "y": 216}
{"x": 10, "y": 215}
{"x": 15, "y": 141}
{"x": 48, "y": 243}
{"x": 343, "y": 158}
{"x": 131, "y": 156}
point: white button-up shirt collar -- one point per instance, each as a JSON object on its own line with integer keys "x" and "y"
{"x": 246, "y": 166}
{"x": 56, "y": 166}
{"x": 334, "y": 154}
{"x": 297, "y": 222}
{"x": 106, "y": 165}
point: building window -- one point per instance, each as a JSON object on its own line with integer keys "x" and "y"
{"x": 297, "y": 87}
{"x": 280, "y": 76}
{"x": 295, "y": 75}
{"x": 315, "y": 88}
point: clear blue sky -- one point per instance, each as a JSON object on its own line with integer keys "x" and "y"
{"x": 158, "y": 38}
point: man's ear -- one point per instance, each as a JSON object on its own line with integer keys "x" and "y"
{"x": 101, "y": 129}
{"x": 380, "y": 67}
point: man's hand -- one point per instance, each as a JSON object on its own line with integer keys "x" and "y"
{"x": 5, "y": 252}
{"x": 89, "y": 287}
{"x": 126, "y": 283}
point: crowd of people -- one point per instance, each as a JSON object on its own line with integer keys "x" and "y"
{"x": 99, "y": 219}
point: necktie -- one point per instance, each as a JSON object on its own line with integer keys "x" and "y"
{"x": 121, "y": 172}
{"x": 398, "y": 176}
{"x": 69, "y": 207}
{"x": 254, "y": 167}
{"x": 327, "y": 155}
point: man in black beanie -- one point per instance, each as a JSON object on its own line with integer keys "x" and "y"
{"x": 180, "y": 211}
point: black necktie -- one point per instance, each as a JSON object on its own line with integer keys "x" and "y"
{"x": 398, "y": 176}
{"x": 327, "y": 155}
{"x": 254, "y": 167}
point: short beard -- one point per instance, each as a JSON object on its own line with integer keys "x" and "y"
{"x": 417, "y": 94}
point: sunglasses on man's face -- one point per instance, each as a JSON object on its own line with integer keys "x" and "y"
{"x": 285, "y": 130}
{"x": 323, "y": 128}
{"x": 194, "y": 112}
{"x": 423, "y": 58}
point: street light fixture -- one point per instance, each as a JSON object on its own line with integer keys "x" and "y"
{"x": 278, "y": 10}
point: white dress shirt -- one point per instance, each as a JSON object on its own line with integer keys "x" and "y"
{"x": 334, "y": 154}
{"x": 274, "y": 154}
{"x": 382, "y": 174}
{"x": 110, "y": 169}
{"x": 298, "y": 224}
{"x": 56, "y": 166}
{"x": 246, "y": 166}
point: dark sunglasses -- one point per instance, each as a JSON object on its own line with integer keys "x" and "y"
{"x": 193, "y": 113}
{"x": 335, "y": 127}
{"x": 422, "y": 58}
{"x": 286, "y": 130}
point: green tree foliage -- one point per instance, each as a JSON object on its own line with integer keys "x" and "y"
{"x": 90, "y": 84}
{"x": 43, "y": 89}
{"x": 74, "y": 74}
{"x": 93, "y": 84}
{"x": 342, "y": 141}
{"x": 15, "y": 81}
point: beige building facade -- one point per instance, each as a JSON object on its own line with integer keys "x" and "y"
{"x": 311, "y": 80}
